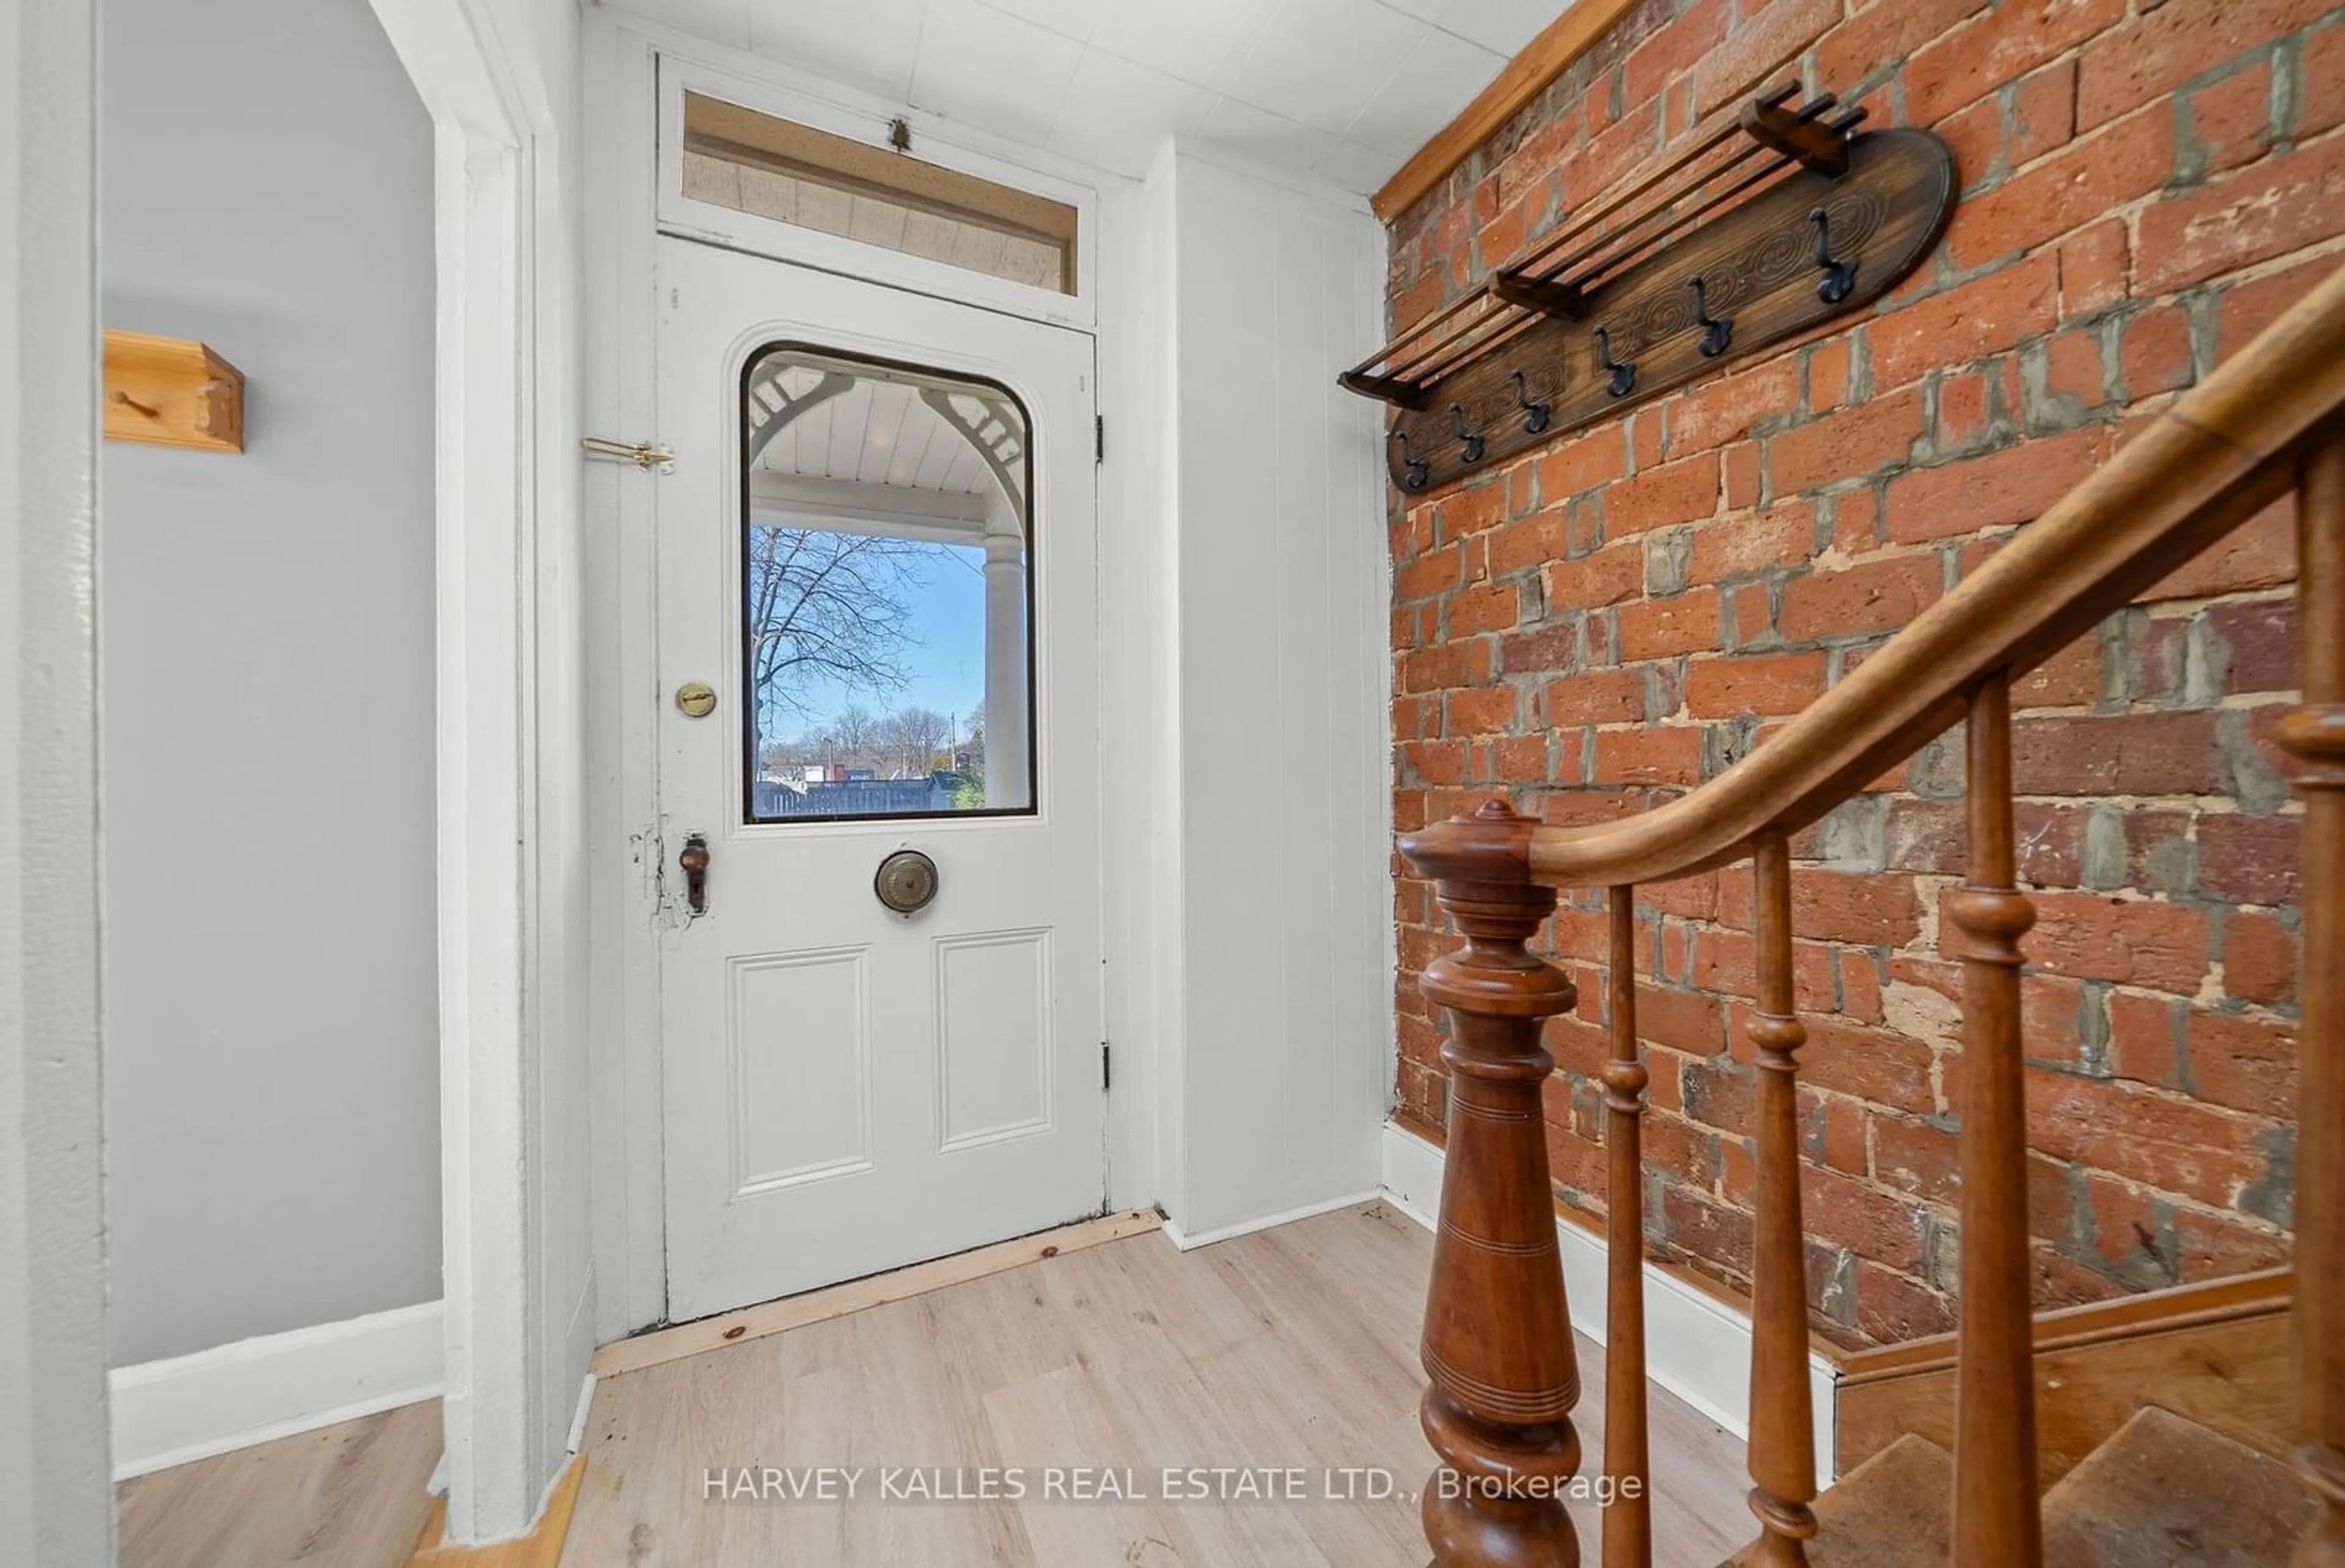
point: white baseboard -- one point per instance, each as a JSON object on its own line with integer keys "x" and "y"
{"x": 192, "y": 1407}
{"x": 1412, "y": 1175}
{"x": 577, "y": 1439}
{"x": 1696, "y": 1346}
{"x": 1186, "y": 1242}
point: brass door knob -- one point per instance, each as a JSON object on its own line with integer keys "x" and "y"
{"x": 907, "y": 882}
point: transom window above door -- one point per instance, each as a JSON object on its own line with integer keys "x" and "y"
{"x": 776, "y": 168}
{"x": 887, "y": 572}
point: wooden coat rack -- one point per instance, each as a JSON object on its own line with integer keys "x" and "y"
{"x": 1771, "y": 221}
{"x": 172, "y": 393}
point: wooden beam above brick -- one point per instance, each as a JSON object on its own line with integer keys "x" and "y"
{"x": 1542, "y": 61}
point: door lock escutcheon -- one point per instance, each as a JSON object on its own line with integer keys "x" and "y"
{"x": 696, "y": 698}
{"x": 906, "y": 882}
{"x": 694, "y": 862}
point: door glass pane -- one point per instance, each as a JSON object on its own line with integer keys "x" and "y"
{"x": 887, "y": 572}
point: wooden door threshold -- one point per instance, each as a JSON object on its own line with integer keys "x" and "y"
{"x": 540, "y": 1548}
{"x": 649, "y": 1350}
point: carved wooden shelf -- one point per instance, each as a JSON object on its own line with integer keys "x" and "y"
{"x": 1770, "y": 220}
{"x": 172, "y": 393}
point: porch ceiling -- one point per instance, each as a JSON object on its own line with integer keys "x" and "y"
{"x": 878, "y": 433}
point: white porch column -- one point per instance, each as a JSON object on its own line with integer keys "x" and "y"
{"x": 1007, "y": 777}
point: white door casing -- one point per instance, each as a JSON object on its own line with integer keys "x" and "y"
{"x": 846, "y": 1089}
{"x": 55, "y": 1505}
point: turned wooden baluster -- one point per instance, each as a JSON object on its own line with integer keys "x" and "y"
{"x": 1783, "y": 1422}
{"x": 2314, "y": 733}
{"x": 1497, "y": 1340}
{"x": 1628, "y": 1517}
{"x": 1996, "y": 1516}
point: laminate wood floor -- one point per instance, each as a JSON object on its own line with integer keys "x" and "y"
{"x": 346, "y": 1496}
{"x": 1293, "y": 1349}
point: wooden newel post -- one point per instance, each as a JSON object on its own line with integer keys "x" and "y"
{"x": 1498, "y": 1340}
{"x": 2314, "y": 733}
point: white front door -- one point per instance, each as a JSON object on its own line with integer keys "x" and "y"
{"x": 875, "y": 555}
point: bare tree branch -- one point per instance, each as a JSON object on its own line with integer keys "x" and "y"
{"x": 829, "y": 608}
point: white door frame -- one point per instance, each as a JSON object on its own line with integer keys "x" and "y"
{"x": 491, "y": 131}
{"x": 56, "y": 1493}
{"x": 622, "y": 223}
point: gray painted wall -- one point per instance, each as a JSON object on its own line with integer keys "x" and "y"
{"x": 266, "y": 678}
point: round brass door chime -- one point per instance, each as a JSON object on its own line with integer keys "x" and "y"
{"x": 696, "y": 698}
{"x": 907, "y": 882}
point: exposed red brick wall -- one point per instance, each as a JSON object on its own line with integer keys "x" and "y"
{"x": 1612, "y": 620}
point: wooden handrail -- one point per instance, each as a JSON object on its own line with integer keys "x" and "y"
{"x": 2207, "y": 463}
{"x": 1499, "y": 1415}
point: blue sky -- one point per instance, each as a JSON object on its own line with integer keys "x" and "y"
{"x": 948, "y": 666}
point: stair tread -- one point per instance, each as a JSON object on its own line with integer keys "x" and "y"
{"x": 1893, "y": 1510}
{"x": 2166, "y": 1490}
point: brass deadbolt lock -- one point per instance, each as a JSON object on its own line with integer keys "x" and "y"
{"x": 696, "y": 699}
{"x": 907, "y": 882}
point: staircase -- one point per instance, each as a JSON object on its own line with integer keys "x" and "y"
{"x": 2163, "y": 1491}
{"x": 1497, "y": 1347}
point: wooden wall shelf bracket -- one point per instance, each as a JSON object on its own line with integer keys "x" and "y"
{"x": 1768, "y": 220}
{"x": 172, "y": 393}
{"x": 1386, "y": 388}
{"x": 1802, "y": 135}
{"x": 1560, "y": 301}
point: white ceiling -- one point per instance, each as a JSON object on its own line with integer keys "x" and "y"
{"x": 1344, "y": 89}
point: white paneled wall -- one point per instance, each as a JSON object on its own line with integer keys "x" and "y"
{"x": 1281, "y": 1064}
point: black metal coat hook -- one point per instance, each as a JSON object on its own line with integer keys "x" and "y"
{"x": 1624, "y": 375}
{"x": 1419, "y": 470}
{"x": 1840, "y": 277}
{"x": 1469, "y": 444}
{"x": 1534, "y": 414}
{"x": 1718, "y": 331}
